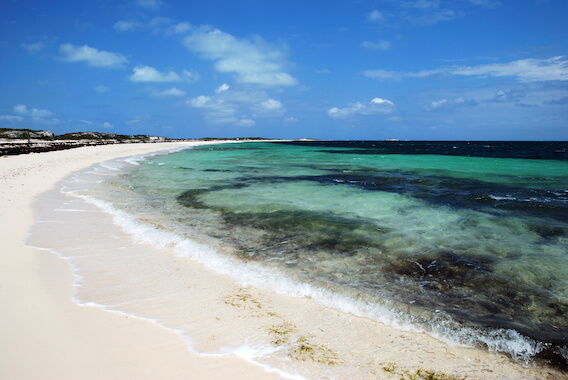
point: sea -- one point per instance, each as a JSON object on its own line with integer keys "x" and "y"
{"x": 465, "y": 241}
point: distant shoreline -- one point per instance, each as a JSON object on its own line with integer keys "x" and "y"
{"x": 16, "y": 147}
{"x": 13, "y": 147}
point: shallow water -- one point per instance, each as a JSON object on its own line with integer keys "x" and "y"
{"x": 471, "y": 248}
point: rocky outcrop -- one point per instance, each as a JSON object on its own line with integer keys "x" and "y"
{"x": 23, "y": 141}
{"x": 25, "y": 134}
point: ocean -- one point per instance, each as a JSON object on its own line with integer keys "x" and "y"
{"x": 466, "y": 241}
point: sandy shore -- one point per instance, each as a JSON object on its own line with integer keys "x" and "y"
{"x": 47, "y": 335}
{"x": 44, "y": 334}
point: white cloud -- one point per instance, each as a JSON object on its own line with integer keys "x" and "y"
{"x": 268, "y": 79}
{"x": 254, "y": 61}
{"x": 219, "y": 111}
{"x": 445, "y": 104}
{"x": 150, "y": 74}
{"x": 382, "y": 101}
{"x": 170, "y": 92}
{"x": 375, "y": 106}
{"x": 269, "y": 108}
{"x": 375, "y": 16}
{"x": 33, "y": 113}
{"x": 201, "y": 101}
{"x": 436, "y": 104}
{"x": 93, "y": 56}
{"x": 222, "y": 88}
{"x": 271, "y": 105}
{"x": 107, "y": 125}
{"x": 101, "y": 89}
{"x": 227, "y": 106}
{"x": 36, "y": 115}
{"x": 378, "y": 45}
{"x": 524, "y": 70}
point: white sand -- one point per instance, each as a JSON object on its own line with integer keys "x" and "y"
{"x": 44, "y": 334}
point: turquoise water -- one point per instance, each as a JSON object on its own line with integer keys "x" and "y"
{"x": 470, "y": 248}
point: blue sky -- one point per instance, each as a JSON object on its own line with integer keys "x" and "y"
{"x": 362, "y": 69}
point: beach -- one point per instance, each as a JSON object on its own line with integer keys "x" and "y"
{"x": 48, "y": 322}
{"x": 44, "y": 333}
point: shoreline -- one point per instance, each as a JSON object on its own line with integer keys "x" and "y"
{"x": 44, "y": 333}
{"x": 47, "y": 280}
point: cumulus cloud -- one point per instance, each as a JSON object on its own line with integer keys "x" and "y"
{"x": 524, "y": 70}
{"x": 377, "y": 45}
{"x": 375, "y": 106}
{"x": 220, "y": 111}
{"x": 233, "y": 107}
{"x": 169, "y": 92}
{"x": 107, "y": 125}
{"x": 254, "y": 61}
{"x": 271, "y": 105}
{"x": 202, "y": 101}
{"x": 150, "y": 74}
{"x": 269, "y": 108}
{"x": 222, "y": 88}
{"x": 93, "y": 56}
